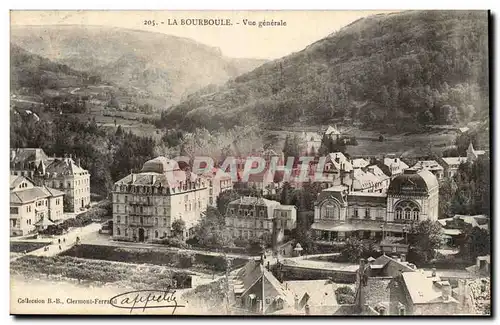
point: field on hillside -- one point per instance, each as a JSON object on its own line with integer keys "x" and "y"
{"x": 405, "y": 144}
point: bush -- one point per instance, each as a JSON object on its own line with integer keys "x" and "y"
{"x": 345, "y": 299}
{"x": 345, "y": 295}
{"x": 172, "y": 242}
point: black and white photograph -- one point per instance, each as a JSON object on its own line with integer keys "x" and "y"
{"x": 250, "y": 163}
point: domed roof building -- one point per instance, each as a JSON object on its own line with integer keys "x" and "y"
{"x": 413, "y": 196}
{"x": 145, "y": 204}
{"x": 159, "y": 165}
{"x": 410, "y": 197}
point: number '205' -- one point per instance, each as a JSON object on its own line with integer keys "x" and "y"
{"x": 150, "y": 23}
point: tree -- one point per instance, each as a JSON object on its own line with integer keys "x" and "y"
{"x": 304, "y": 237}
{"x": 286, "y": 194}
{"x": 224, "y": 198}
{"x": 178, "y": 227}
{"x": 474, "y": 242}
{"x": 211, "y": 231}
{"x": 353, "y": 249}
{"x": 424, "y": 238}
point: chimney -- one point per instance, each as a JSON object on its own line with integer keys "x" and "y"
{"x": 133, "y": 178}
{"x": 403, "y": 258}
{"x": 445, "y": 290}
{"x": 296, "y": 302}
{"x": 153, "y": 179}
{"x": 78, "y": 162}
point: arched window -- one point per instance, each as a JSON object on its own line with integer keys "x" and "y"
{"x": 407, "y": 211}
{"x": 118, "y": 231}
{"x": 156, "y": 233}
{"x": 330, "y": 210}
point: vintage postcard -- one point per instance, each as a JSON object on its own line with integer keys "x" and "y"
{"x": 250, "y": 163}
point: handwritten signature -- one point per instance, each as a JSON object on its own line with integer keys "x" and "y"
{"x": 146, "y": 299}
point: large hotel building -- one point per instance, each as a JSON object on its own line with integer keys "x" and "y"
{"x": 145, "y": 204}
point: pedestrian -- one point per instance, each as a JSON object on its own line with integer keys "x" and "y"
{"x": 60, "y": 248}
{"x": 64, "y": 239}
{"x": 59, "y": 240}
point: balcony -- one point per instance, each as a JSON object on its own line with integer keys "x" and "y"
{"x": 139, "y": 224}
{"x": 138, "y": 203}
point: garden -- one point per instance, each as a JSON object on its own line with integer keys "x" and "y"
{"x": 85, "y": 271}
{"x": 157, "y": 256}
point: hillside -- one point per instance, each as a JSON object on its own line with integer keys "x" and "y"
{"x": 162, "y": 65}
{"x": 29, "y": 71}
{"x": 401, "y": 69}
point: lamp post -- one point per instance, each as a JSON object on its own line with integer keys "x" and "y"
{"x": 405, "y": 232}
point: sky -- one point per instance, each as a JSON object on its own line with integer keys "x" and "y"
{"x": 237, "y": 40}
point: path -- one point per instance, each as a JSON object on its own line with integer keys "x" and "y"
{"x": 53, "y": 249}
{"x": 73, "y": 91}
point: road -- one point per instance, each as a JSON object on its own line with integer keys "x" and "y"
{"x": 66, "y": 241}
{"x": 104, "y": 240}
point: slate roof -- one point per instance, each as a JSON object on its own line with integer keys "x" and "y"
{"x": 160, "y": 165}
{"x": 250, "y": 275}
{"x": 454, "y": 160}
{"x": 342, "y": 160}
{"x": 30, "y": 194}
{"x": 15, "y": 181}
{"x": 28, "y": 155}
{"x": 171, "y": 179}
{"x": 481, "y": 221}
{"x": 419, "y": 183}
{"x": 427, "y": 164}
{"x": 63, "y": 166}
{"x": 251, "y": 200}
{"x": 423, "y": 290}
{"x": 359, "y": 163}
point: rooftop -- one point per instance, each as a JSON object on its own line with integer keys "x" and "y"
{"x": 420, "y": 183}
{"x": 423, "y": 290}
{"x": 160, "y": 165}
{"x": 454, "y": 160}
{"x": 251, "y": 200}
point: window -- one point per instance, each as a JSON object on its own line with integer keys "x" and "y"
{"x": 164, "y": 222}
{"x": 367, "y": 216}
{"x": 356, "y": 213}
{"x": 126, "y": 219}
{"x": 407, "y": 210}
{"x": 156, "y": 221}
{"x": 14, "y": 210}
{"x": 126, "y": 199}
{"x": 156, "y": 233}
{"x": 185, "y": 207}
{"x": 399, "y": 214}
{"x": 118, "y": 231}
{"x": 118, "y": 219}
